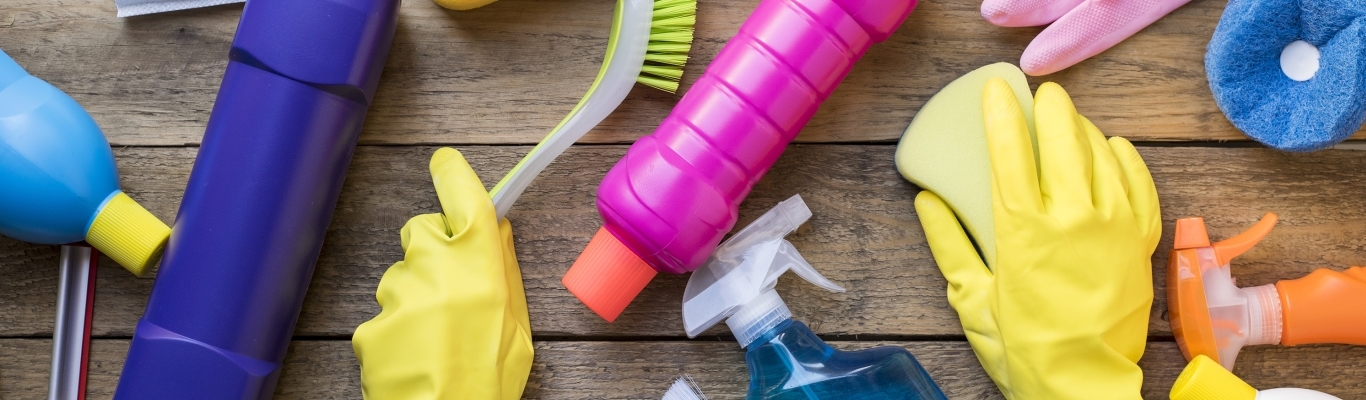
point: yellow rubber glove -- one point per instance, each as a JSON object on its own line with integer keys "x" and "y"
{"x": 461, "y": 5}
{"x": 1064, "y": 313}
{"x": 454, "y": 319}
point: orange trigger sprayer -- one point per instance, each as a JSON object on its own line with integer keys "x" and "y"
{"x": 1213, "y": 317}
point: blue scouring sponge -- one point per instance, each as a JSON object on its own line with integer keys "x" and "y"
{"x": 1245, "y": 69}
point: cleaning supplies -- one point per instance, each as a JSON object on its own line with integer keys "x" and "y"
{"x": 944, "y": 150}
{"x": 130, "y": 8}
{"x": 1288, "y": 73}
{"x": 649, "y": 44}
{"x": 454, "y": 322}
{"x": 1080, "y": 28}
{"x": 785, "y": 359}
{"x": 668, "y": 202}
{"x": 1063, "y": 314}
{"x": 1204, "y": 379}
{"x": 300, "y": 76}
{"x": 59, "y": 184}
{"x": 1213, "y": 317}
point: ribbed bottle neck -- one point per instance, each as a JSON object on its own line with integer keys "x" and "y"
{"x": 757, "y": 317}
{"x": 1264, "y": 315}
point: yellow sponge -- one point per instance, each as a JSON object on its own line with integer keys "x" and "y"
{"x": 944, "y": 150}
{"x": 1205, "y": 379}
{"x": 128, "y": 234}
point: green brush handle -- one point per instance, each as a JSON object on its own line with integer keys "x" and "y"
{"x": 626, "y": 48}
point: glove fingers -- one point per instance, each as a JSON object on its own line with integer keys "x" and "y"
{"x": 1014, "y": 174}
{"x": 1109, "y": 185}
{"x": 1089, "y": 29}
{"x": 970, "y": 290}
{"x": 1065, "y": 162}
{"x": 1017, "y": 13}
{"x": 463, "y": 198}
{"x": 1142, "y": 191}
{"x": 957, "y": 258}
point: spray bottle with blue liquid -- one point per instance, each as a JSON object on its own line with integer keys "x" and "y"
{"x": 785, "y": 359}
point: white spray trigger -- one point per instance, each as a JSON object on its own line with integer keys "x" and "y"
{"x": 747, "y": 265}
{"x": 804, "y": 269}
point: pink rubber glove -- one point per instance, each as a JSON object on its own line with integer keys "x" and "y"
{"x": 1080, "y": 28}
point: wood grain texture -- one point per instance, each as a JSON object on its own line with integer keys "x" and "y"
{"x": 508, "y": 72}
{"x": 327, "y": 369}
{"x": 504, "y": 74}
{"x": 864, "y": 235}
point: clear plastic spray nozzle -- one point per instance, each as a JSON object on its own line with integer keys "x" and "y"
{"x": 746, "y": 267}
{"x": 1214, "y": 317}
{"x": 1211, "y": 315}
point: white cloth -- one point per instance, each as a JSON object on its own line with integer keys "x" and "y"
{"x": 128, "y": 8}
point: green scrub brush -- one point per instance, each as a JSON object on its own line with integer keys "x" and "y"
{"x": 649, "y": 44}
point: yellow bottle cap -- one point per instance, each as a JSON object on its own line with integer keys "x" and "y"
{"x": 1205, "y": 379}
{"x": 128, "y": 234}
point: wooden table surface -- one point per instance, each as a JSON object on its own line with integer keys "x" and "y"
{"x": 492, "y": 82}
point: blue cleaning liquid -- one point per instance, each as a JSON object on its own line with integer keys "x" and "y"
{"x": 790, "y": 363}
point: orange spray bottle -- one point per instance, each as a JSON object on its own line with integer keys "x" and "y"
{"x": 1211, "y": 316}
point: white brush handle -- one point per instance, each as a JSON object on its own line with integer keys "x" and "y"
{"x": 68, "y": 341}
{"x": 623, "y": 64}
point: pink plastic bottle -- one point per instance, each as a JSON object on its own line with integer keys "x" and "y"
{"x": 668, "y": 202}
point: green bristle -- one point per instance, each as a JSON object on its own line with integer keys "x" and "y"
{"x": 665, "y": 4}
{"x": 665, "y": 48}
{"x": 671, "y": 3}
{"x": 675, "y": 24}
{"x": 674, "y": 61}
{"x": 688, "y": 10}
{"x": 680, "y": 38}
{"x": 668, "y": 72}
{"x": 666, "y": 85}
{"x": 671, "y": 36}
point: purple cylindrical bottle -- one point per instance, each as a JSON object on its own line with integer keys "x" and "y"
{"x": 668, "y": 202}
{"x": 301, "y": 75}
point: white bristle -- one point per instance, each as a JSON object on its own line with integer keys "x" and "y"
{"x": 684, "y": 389}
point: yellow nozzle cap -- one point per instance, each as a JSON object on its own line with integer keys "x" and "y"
{"x": 128, "y": 233}
{"x": 1205, "y": 379}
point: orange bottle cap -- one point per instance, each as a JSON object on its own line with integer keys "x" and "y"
{"x": 607, "y": 276}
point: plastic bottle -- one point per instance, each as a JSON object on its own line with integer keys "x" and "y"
{"x": 1211, "y": 316}
{"x": 1204, "y": 379}
{"x": 300, "y": 77}
{"x": 668, "y": 202}
{"x": 785, "y": 359}
{"x": 58, "y": 182}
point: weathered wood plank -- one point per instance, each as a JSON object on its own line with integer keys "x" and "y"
{"x": 327, "y": 369}
{"x": 507, "y": 73}
{"x": 864, "y": 235}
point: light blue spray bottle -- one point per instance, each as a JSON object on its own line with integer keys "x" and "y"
{"x": 785, "y": 359}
